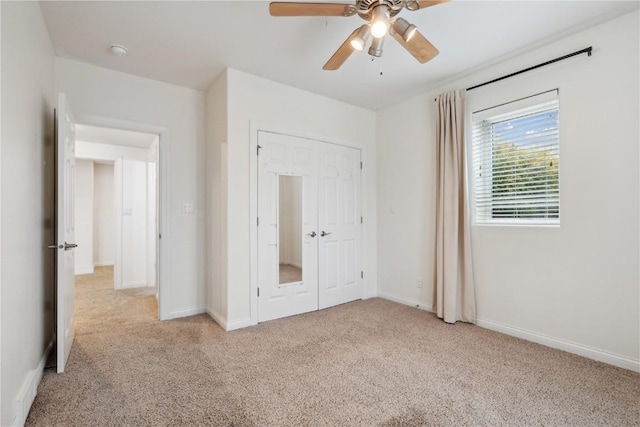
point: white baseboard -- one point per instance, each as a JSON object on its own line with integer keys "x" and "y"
{"x": 561, "y": 344}
{"x": 218, "y": 318}
{"x": 103, "y": 264}
{"x": 129, "y": 285}
{"x": 408, "y": 301}
{"x": 185, "y": 312}
{"x": 227, "y": 325}
{"x": 369, "y": 295}
{"x": 84, "y": 271}
{"x": 29, "y": 389}
{"x": 238, "y": 324}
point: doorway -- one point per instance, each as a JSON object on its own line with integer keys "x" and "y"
{"x": 309, "y": 225}
{"x": 117, "y": 209}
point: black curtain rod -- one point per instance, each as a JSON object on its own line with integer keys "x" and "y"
{"x": 587, "y": 50}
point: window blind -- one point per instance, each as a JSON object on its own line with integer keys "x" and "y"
{"x": 516, "y": 162}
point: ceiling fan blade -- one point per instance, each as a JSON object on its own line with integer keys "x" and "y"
{"x": 418, "y": 46}
{"x": 341, "y": 55}
{"x": 310, "y": 9}
{"x": 428, "y": 3}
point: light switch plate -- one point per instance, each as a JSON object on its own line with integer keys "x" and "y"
{"x": 187, "y": 208}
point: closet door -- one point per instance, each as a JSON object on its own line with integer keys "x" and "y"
{"x": 287, "y": 228}
{"x": 339, "y": 244}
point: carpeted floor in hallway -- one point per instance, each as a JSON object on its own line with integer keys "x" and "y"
{"x": 366, "y": 363}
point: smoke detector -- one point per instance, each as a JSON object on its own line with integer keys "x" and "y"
{"x": 118, "y": 50}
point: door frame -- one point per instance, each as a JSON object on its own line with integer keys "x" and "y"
{"x": 255, "y": 128}
{"x": 163, "y": 190}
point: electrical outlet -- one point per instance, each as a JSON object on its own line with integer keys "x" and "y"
{"x": 419, "y": 283}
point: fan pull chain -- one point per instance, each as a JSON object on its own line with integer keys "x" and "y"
{"x": 373, "y": 58}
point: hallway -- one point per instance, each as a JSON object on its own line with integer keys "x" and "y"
{"x": 99, "y": 306}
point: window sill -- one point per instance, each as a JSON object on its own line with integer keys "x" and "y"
{"x": 517, "y": 224}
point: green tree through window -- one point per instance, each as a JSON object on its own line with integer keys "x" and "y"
{"x": 516, "y": 163}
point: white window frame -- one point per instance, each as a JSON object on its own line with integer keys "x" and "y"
{"x": 482, "y": 214}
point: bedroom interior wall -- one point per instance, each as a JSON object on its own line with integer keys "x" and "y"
{"x": 216, "y": 187}
{"x": 27, "y": 204}
{"x": 98, "y": 92}
{"x": 575, "y": 286}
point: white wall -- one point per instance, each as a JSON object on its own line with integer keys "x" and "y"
{"x": 576, "y": 286}
{"x": 27, "y": 205}
{"x": 152, "y": 232}
{"x": 99, "y": 151}
{"x": 96, "y": 93}
{"x": 103, "y": 215}
{"x": 217, "y": 192}
{"x": 253, "y": 101}
{"x": 134, "y": 223}
{"x": 84, "y": 216}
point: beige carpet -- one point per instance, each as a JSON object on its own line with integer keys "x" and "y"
{"x": 366, "y": 363}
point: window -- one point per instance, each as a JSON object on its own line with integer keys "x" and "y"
{"x": 516, "y": 162}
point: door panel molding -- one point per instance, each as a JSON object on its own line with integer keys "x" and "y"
{"x": 281, "y": 157}
{"x": 336, "y": 212}
{"x": 65, "y": 232}
{"x": 339, "y": 211}
{"x": 257, "y": 127}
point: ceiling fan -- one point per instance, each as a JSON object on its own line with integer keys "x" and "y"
{"x": 381, "y": 20}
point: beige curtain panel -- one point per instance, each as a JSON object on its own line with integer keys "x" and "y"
{"x": 454, "y": 287}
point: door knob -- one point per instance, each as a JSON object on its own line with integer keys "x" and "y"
{"x": 312, "y": 234}
{"x": 69, "y": 246}
{"x": 323, "y": 233}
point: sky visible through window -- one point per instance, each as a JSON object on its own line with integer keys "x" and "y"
{"x": 525, "y": 179}
{"x": 531, "y": 130}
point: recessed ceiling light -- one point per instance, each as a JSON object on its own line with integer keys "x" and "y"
{"x": 118, "y": 50}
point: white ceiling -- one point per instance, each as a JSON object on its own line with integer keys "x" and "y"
{"x": 191, "y": 43}
{"x": 114, "y": 136}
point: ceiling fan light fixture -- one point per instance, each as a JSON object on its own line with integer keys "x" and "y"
{"x": 380, "y": 21}
{"x": 376, "y": 47}
{"x": 361, "y": 38}
{"x": 404, "y": 29}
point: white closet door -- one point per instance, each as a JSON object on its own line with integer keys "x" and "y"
{"x": 339, "y": 244}
{"x": 288, "y": 159}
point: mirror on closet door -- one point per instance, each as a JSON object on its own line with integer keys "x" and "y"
{"x": 289, "y": 229}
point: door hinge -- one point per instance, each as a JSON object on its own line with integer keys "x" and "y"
{"x": 258, "y": 150}
{"x": 258, "y": 291}
{"x": 362, "y": 274}
{"x": 360, "y": 165}
{"x": 257, "y": 220}
{"x": 361, "y": 220}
